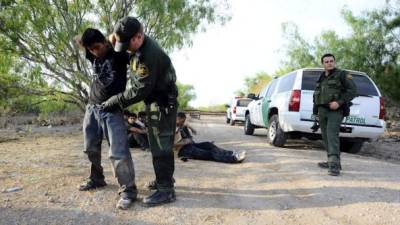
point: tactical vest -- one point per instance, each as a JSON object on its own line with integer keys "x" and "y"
{"x": 165, "y": 91}
{"x": 329, "y": 88}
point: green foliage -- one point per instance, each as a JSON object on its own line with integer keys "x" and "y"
{"x": 41, "y": 35}
{"x": 373, "y": 46}
{"x": 137, "y": 107}
{"x": 299, "y": 53}
{"x": 394, "y": 23}
{"x": 213, "y": 108}
{"x": 254, "y": 84}
{"x": 240, "y": 93}
{"x": 186, "y": 94}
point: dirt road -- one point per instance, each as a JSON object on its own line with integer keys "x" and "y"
{"x": 272, "y": 186}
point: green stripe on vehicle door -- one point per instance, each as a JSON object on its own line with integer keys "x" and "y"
{"x": 264, "y": 111}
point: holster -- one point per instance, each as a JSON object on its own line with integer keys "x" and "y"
{"x": 346, "y": 108}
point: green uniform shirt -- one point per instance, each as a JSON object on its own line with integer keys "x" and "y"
{"x": 152, "y": 77}
{"x": 337, "y": 86}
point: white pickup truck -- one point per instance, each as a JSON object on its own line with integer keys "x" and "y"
{"x": 284, "y": 107}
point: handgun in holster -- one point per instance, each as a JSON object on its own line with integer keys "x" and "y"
{"x": 315, "y": 126}
{"x": 171, "y": 103}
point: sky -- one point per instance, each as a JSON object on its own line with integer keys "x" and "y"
{"x": 252, "y": 41}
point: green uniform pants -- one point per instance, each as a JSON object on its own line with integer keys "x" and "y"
{"x": 330, "y": 127}
{"x": 161, "y": 127}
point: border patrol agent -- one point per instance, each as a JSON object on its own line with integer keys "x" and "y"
{"x": 153, "y": 81}
{"x": 333, "y": 93}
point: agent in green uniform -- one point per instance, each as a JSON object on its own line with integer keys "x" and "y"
{"x": 333, "y": 93}
{"x": 152, "y": 80}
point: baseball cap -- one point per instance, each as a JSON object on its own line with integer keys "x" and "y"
{"x": 126, "y": 28}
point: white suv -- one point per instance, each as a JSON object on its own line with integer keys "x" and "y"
{"x": 237, "y": 108}
{"x": 284, "y": 107}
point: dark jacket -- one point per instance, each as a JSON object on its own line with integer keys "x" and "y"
{"x": 152, "y": 77}
{"x": 337, "y": 86}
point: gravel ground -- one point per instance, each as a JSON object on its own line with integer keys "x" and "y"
{"x": 272, "y": 186}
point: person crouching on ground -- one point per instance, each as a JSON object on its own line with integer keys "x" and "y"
{"x": 137, "y": 132}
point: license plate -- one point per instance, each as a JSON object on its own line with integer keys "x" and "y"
{"x": 352, "y": 119}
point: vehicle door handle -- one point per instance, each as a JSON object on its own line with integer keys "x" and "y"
{"x": 269, "y": 101}
{"x": 259, "y": 103}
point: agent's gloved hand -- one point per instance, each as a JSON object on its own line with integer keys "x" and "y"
{"x": 111, "y": 105}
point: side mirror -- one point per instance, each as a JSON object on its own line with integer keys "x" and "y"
{"x": 227, "y": 106}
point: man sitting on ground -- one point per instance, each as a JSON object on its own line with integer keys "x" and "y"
{"x": 137, "y": 132}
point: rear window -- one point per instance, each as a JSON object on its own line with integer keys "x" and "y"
{"x": 363, "y": 83}
{"x": 243, "y": 102}
{"x": 310, "y": 79}
{"x": 287, "y": 82}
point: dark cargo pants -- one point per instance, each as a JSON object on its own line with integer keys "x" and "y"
{"x": 330, "y": 127}
{"x": 97, "y": 123}
{"x": 161, "y": 133}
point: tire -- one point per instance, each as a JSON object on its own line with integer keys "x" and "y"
{"x": 228, "y": 120}
{"x": 232, "y": 122}
{"x": 248, "y": 127}
{"x": 276, "y": 136}
{"x": 352, "y": 147}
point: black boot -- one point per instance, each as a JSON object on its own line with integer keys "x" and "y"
{"x": 152, "y": 185}
{"x": 334, "y": 169}
{"x": 164, "y": 169}
{"x": 90, "y": 185}
{"x": 159, "y": 198}
{"x": 324, "y": 165}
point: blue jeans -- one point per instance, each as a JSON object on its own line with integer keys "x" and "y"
{"x": 97, "y": 123}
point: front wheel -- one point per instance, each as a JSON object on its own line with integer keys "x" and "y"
{"x": 276, "y": 136}
{"x": 248, "y": 127}
{"x": 349, "y": 146}
{"x": 228, "y": 120}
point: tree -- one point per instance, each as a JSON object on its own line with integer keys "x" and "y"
{"x": 186, "y": 94}
{"x": 372, "y": 46}
{"x": 41, "y": 33}
{"x": 299, "y": 53}
{"x": 394, "y": 23}
{"x": 254, "y": 84}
